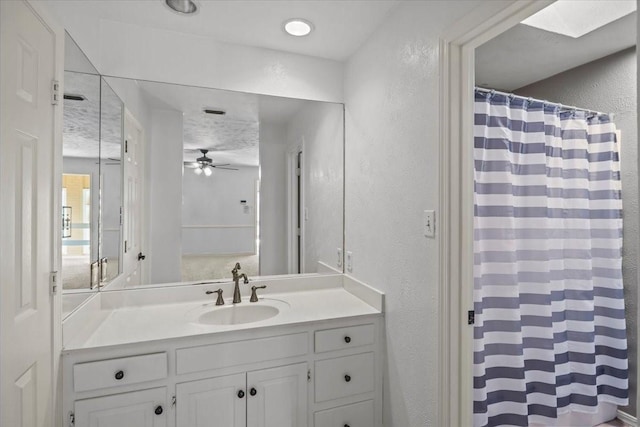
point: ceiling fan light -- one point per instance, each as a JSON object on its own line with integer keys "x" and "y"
{"x": 197, "y": 171}
{"x": 207, "y": 171}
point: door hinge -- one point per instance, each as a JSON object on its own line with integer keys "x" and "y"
{"x": 173, "y": 401}
{"x": 72, "y": 419}
{"x": 53, "y": 282}
{"x": 125, "y": 246}
{"x": 298, "y": 231}
{"x": 126, "y": 146}
{"x": 55, "y": 92}
{"x": 309, "y": 375}
{"x": 471, "y": 317}
{"x": 120, "y": 215}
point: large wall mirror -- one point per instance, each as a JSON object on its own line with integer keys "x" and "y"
{"x": 91, "y": 180}
{"x": 171, "y": 184}
{"x": 230, "y": 177}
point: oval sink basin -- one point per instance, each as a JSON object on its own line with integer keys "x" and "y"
{"x": 238, "y": 314}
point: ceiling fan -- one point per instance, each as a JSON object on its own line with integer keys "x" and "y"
{"x": 205, "y": 164}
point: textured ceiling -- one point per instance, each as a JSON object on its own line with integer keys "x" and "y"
{"x": 341, "y": 26}
{"x": 524, "y": 55}
{"x": 85, "y": 123}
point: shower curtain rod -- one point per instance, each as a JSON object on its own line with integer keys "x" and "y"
{"x": 561, "y": 106}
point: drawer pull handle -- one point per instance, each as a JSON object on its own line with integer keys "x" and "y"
{"x": 347, "y": 339}
{"x": 119, "y": 375}
{"x": 158, "y": 410}
{"x": 347, "y": 425}
{"x": 347, "y": 378}
{"x": 240, "y": 394}
{"x": 253, "y": 391}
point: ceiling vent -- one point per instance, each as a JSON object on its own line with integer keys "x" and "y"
{"x": 214, "y": 111}
{"x": 74, "y": 97}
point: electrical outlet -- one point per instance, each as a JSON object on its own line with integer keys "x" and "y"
{"x": 429, "y": 223}
{"x": 339, "y": 257}
{"x": 349, "y": 261}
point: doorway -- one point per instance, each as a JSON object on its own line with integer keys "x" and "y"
{"x": 456, "y": 199}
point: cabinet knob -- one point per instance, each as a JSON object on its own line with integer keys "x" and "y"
{"x": 240, "y": 394}
{"x": 158, "y": 410}
{"x": 347, "y": 339}
{"x": 119, "y": 375}
{"x": 347, "y": 425}
{"x": 347, "y": 378}
{"x": 253, "y": 391}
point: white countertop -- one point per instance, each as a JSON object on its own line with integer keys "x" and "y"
{"x": 158, "y": 320}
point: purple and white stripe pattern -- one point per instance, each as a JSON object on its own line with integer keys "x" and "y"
{"x": 550, "y": 332}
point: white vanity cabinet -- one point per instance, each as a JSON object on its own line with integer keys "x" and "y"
{"x": 317, "y": 374}
{"x": 275, "y": 397}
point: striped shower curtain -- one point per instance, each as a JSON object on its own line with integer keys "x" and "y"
{"x": 550, "y": 331}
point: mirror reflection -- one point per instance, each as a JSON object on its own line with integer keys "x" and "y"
{"x": 92, "y": 178}
{"x": 81, "y": 171}
{"x": 111, "y": 141}
{"x": 231, "y": 177}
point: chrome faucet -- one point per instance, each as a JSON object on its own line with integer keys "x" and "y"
{"x": 236, "y": 279}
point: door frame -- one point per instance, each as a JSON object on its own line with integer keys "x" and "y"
{"x": 295, "y": 209}
{"x": 457, "y": 79}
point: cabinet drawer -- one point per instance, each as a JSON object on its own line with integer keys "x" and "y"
{"x": 116, "y": 372}
{"x": 341, "y": 338}
{"x": 344, "y": 376}
{"x": 356, "y": 415}
{"x": 196, "y": 359}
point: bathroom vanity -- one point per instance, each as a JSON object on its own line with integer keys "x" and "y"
{"x": 308, "y": 353}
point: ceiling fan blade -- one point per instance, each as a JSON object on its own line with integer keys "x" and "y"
{"x": 225, "y": 164}
{"x": 191, "y": 165}
{"x": 229, "y": 169}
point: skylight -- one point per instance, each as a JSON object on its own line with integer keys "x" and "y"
{"x": 575, "y": 18}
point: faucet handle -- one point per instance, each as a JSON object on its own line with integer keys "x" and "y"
{"x": 254, "y": 296}
{"x": 219, "y": 300}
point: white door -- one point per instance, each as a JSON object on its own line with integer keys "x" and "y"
{"x": 145, "y": 408}
{"x": 277, "y": 397}
{"x": 27, "y": 70}
{"x": 212, "y": 402}
{"x": 133, "y": 206}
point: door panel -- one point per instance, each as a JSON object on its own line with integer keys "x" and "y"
{"x": 146, "y": 408}
{"x": 212, "y": 402}
{"x": 280, "y": 398}
{"x": 27, "y": 70}
{"x": 133, "y": 206}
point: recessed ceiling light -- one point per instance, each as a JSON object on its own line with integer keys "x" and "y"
{"x": 182, "y": 6}
{"x": 298, "y": 27}
{"x": 575, "y": 18}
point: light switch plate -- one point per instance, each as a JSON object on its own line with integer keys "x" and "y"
{"x": 429, "y": 223}
{"x": 349, "y": 261}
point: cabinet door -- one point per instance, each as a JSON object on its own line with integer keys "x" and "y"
{"x": 277, "y": 397}
{"x": 212, "y": 402}
{"x": 146, "y": 408}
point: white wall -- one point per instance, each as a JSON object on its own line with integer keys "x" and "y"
{"x": 609, "y": 85}
{"x": 273, "y": 199}
{"x": 139, "y": 52}
{"x": 392, "y": 171}
{"x": 319, "y": 128}
{"x": 133, "y": 51}
{"x": 215, "y": 201}
{"x": 165, "y": 204}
